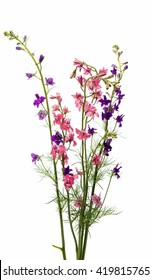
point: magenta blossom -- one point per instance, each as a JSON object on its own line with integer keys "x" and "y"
{"x": 96, "y": 160}
{"x": 68, "y": 181}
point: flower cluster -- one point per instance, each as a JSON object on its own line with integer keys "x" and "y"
{"x": 87, "y": 146}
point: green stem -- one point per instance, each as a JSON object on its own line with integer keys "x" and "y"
{"x": 50, "y": 130}
{"x": 71, "y": 226}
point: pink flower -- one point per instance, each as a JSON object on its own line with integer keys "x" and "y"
{"x": 94, "y": 83}
{"x": 96, "y": 159}
{"x": 81, "y": 80}
{"x": 87, "y": 71}
{"x": 78, "y": 63}
{"x": 65, "y": 125}
{"x": 58, "y": 118}
{"x": 82, "y": 134}
{"x": 55, "y": 108}
{"x": 103, "y": 72}
{"x": 65, "y": 110}
{"x": 78, "y": 202}
{"x": 54, "y": 151}
{"x": 70, "y": 138}
{"x": 78, "y": 100}
{"x": 68, "y": 181}
{"x": 97, "y": 94}
{"x": 96, "y": 199}
{"x": 60, "y": 151}
{"x": 58, "y": 97}
{"x": 79, "y": 173}
{"x": 90, "y": 110}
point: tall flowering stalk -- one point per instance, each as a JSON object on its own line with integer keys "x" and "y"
{"x": 78, "y": 160}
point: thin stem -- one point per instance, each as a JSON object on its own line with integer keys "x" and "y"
{"x": 50, "y": 131}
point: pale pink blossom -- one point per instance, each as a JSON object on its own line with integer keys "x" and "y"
{"x": 82, "y": 134}
{"x": 97, "y": 94}
{"x": 78, "y": 63}
{"x": 68, "y": 181}
{"x": 96, "y": 159}
{"x": 54, "y": 151}
{"x": 103, "y": 72}
{"x": 81, "y": 80}
{"x": 94, "y": 83}
{"x": 55, "y": 108}
{"x": 78, "y": 202}
{"x": 57, "y": 96}
{"x": 90, "y": 110}
{"x": 96, "y": 199}
{"x": 65, "y": 110}
{"x": 78, "y": 173}
{"x": 78, "y": 100}
{"x": 87, "y": 70}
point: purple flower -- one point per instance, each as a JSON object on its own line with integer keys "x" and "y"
{"x": 29, "y": 75}
{"x": 107, "y": 114}
{"x": 91, "y": 130}
{"x": 119, "y": 120}
{"x": 67, "y": 170}
{"x": 104, "y": 101}
{"x": 119, "y": 95}
{"x": 41, "y": 58}
{"x": 42, "y": 114}
{"x": 35, "y": 157}
{"x": 57, "y": 138}
{"x": 114, "y": 70}
{"x": 49, "y": 81}
{"x": 116, "y": 171}
{"x": 107, "y": 147}
{"x": 39, "y": 100}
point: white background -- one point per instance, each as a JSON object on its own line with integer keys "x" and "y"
{"x": 63, "y": 30}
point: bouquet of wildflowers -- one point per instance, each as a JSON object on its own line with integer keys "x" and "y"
{"x": 79, "y": 157}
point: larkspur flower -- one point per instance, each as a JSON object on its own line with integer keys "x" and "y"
{"x": 119, "y": 95}
{"x": 67, "y": 170}
{"x": 35, "y": 157}
{"x": 116, "y": 171}
{"x": 91, "y": 130}
{"x": 107, "y": 114}
{"x": 39, "y": 100}
{"x": 82, "y": 134}
{"x": 78, "y": 63}
{"x": 90, "y": 110}
{"x": 70, "y": 138}
{"x": 104, "y": 101}
{"x": 114, "y": 70}
{"x": 41, "y": 58}
{"x": 78, "y": 100}
{"x": 94, "y": 84}
{"x": 96, "y": 160}
{"x": 119, "y": 120}
{"x": 78, "y": 202}
{"x": 68, "y": 181}
{"x": 57, "y": 138}
{"x": 107, "y": 146}
{"x": 42, "y": 114}
{"x": 49, "y": 81}
{"x": 29, "y": 75}
{"x": 96, "y": 199}
{"x": 103, "y": 72}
